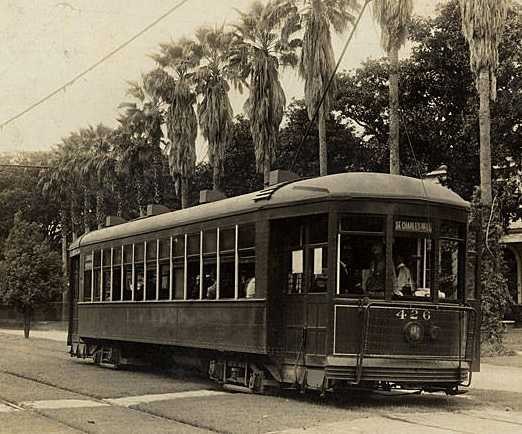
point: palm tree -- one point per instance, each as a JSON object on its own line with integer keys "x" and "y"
{"x": 317, "y": 62}
{"x": 258, "y": 51}
{"x": 177, "y": 92}
{"x": 393, "y": 17}
{"x": 214, "y": 110}
{"x": 482, "y": 25}
{"x": 143, "y": 120}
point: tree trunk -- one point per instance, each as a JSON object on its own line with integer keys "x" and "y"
{"x": 393, "y": 139}
{"x": 485, "y": 145}
{"x": 216, "y": 178}
{"x": 184, "y": 193}
{"x": 27, "y": 322}
{"x": 323, "y": 151}
{"x": 266, "y": 168}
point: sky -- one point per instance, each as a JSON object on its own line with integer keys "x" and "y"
{"x": 45, "y": 43}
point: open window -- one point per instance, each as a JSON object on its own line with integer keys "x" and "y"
{"x": 97, "y": 266}
{"x": 128, "y": 279}
{"x": 451, "y": 260}
{"x": 210, "y": 264}
{"x": 227, "y": 264}
{"x": 87, "y": 277}
{"x": 178, "y": 267}
{"x": 116, "y": 273}
{"x": 106, "y": 275}
{"x": 164, "y": 269}
{"x": 151, "y": 270}
{"x": 194, "y": 284}
{"x": 361, "y": 256}
{"x": 139, "y": 271}
{"x": 247, "y": 261}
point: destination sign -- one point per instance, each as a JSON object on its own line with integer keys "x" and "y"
{"x": 413, "y": 226}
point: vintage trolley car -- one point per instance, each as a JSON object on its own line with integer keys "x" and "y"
{"x": 354, "y": 279}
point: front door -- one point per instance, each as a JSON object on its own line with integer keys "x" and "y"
{"x": 301, "y": 279}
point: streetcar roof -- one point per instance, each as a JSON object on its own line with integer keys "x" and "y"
{"x": 352, "y": 185}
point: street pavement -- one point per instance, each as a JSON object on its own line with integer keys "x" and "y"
{"x": 43, "y": 390}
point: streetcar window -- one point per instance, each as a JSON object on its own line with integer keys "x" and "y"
{"x": 227, "y": 239}
{"x": 178, "y": 280}
{"x": 139, "y": 282}
{"x": 227, "y": 262}
{"x": 210, "y": 241}
{"x": 97, "y": 275}
{"x": 193, "y": 278}
{"x": 247, "y": 236}
{"x": 450, "y": 273}
{"x": 127, "y": 282}
{"x": 164, "y": 281}
{"x": 318, "y": 265}
{"x": 210, "y": 264}
{"x": 247, "y": 274}
{"x": 227, "y": 271}
{"x": 116, "y": 273}
{"x": 164, "y": 249}
{"x": 87, "y": 277}
{"x": 362, "y": 265}
{"x": 194, "y": 284}
{"x": 106, "y": 275}
{"x": 127, "y": 272}
{"x": 151, "y": 270}
{"x": 139, "y": 270}
{"x": 116, "y": 283}
{"x": 247, "y": 261}
{"x": 296, "y": 272}
{"x": 106, "y": 285}
{"x": 362, "y": 223}
{"x": 139, "y": 252}
{"x": 413, "y": 262}
{"x": 178, "y": 267}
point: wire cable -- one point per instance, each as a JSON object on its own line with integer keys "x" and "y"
{"x": 332, "y": 76}
{"x": 98, "y": 63}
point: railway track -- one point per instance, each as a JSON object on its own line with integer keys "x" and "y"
{"x": 92, "y": 398}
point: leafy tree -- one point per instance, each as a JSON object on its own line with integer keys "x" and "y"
{"x": 317, "y": 61}
{"x": 19, "y": 192}
{"x": 258, "y": 51}
{"x": 393, "y": 17}
{"x": 439, "y": 104}
{"x": 483, "y": 22}
{"x": 31, "y": 271}
{"x": 348, "y": 153}
{"x": 214, "y": 110}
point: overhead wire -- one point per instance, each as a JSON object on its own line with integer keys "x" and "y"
{"x": 98, "y": 63}
{"x": 330, "y": 81}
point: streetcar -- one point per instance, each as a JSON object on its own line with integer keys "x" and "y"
{"x": 352, "y": 280}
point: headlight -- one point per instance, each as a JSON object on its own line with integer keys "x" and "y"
{"x": 413, "y": 332}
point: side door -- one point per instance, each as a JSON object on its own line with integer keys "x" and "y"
{"x": 300, "y": 250}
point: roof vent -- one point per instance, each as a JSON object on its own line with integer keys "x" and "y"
{"x": 278, "y": 176}
{"x": 155, "y": 209}
{"x": 207, "y": 196}
{"x": 438, "y": 176}
{"x": 114, "y": 220}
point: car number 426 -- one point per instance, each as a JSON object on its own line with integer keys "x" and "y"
{"x": 412, "y": 314}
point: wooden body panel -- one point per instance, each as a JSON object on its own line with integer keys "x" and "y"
{"x": 221, "y": 326}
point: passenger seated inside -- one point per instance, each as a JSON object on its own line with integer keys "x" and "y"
{"x": 404, "y": 284}
{"x": 247, "y": 286}
{"x": 210, "y": 284}
{"x": 376, "y": 275}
